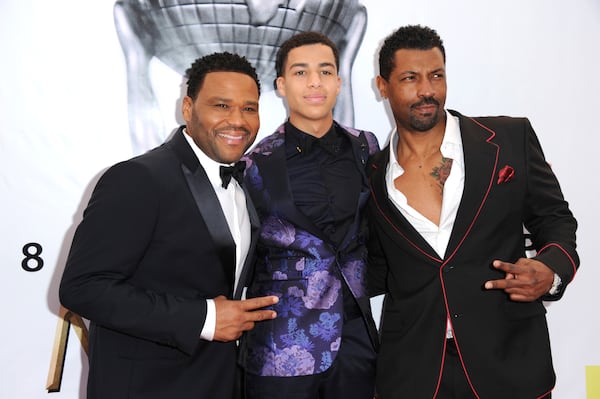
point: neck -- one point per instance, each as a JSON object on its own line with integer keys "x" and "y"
{"x": 316, "y": 128}
{"x": 419, "y": 145}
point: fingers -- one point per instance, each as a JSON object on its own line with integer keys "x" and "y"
{"x": 260, "y": 302}
{"x": 253, "y": 306}
{"x": 506, "y": 266}
{"x": 258, "y": 315}
{"x": 525, "y": 280}
{"x": 236, "y": 316}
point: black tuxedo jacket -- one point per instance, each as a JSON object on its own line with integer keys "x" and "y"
{"x": 503, "y": 345}
{"x": 152, "y": 246}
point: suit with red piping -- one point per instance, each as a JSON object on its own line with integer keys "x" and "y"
{"x": 503, "y": 345}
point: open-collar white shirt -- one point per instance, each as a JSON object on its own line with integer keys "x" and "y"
{"x": 233, "y": 203}
{"x": 436, "y": 236}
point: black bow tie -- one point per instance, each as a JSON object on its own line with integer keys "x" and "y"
{"x": 236, "y": 171}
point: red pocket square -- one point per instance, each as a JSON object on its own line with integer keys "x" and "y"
{"x": 505, "y": 174}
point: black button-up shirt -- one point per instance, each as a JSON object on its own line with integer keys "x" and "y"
{"x": 324, "y": 179}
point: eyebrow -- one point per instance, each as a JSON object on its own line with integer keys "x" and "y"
{"x": 411, "y": 72}
{"x": 305, "y": 65}
{"x": 229, "y": 100}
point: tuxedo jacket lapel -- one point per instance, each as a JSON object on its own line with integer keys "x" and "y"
{"x": 360, "y": 149}
{"x": 481, "y": 158}
{"x": 254, "y": 230}
{"x": 397, "y": 224}
{"x": 208, "y": 204}
{"x": 276, "y": 181}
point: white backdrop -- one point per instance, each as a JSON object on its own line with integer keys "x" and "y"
{"x": 63, "y": 120}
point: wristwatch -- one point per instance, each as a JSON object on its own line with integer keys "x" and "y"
{"x": 555, "y": 285}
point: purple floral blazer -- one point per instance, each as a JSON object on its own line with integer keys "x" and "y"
{"x": 294, "y": 262}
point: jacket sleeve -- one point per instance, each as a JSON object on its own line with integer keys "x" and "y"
{"x": 377, "y": 266}
{"x": 548, "y": 217}
{"x": 108, "y": 247}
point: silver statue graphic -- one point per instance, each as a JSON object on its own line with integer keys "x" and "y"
{"x": 179, "y": 31}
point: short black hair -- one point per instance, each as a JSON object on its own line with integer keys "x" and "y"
{"x": 412, "y": 37}
{"x": 303, "y": 39}
{"x": 217, "y": 62}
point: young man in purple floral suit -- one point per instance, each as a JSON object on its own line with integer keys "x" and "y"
{"x": 309, "y": 186}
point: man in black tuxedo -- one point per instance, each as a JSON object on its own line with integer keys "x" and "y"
{"x": 158, "y": 262}
{"x": 451, "y": 196}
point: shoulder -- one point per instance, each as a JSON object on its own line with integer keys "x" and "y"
{"x": 143, "y": 169}
{"x": 265, "y": 147}
{"x": 369, "y": 137}
{"x": 378, "y": 161}
{"x": 269, "y": 143}
{"x": 494, "y": 123}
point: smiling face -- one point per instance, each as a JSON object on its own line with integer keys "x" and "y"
{"x": 223, "y": 120}
{"x": 416, "y": 89}
{"x": 310, "y": 83}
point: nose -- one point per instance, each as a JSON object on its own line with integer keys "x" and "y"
{"x": 426, "y": 88}
{"x": 236, "y": 117}
{"x": 314, "y": 80}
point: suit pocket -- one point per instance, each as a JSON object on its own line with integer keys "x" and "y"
{"x": 147, "y": 350}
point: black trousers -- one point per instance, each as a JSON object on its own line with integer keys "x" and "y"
{"x": 454, "y": 384}
{"x": 351, "y": 376}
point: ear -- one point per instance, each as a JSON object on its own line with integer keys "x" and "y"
{"x": 382, "y": 85}
{"x": 339, "y": 85}
{"x": 186, "y": 108}
{"x": 280, "y": 83}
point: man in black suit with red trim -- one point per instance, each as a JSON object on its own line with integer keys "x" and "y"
{"x": 451, "y": 199}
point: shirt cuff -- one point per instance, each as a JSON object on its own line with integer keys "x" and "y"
{"x": 210, "y": 323}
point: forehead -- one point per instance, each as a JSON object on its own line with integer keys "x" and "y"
{"x": 406, "y": 60}
{"x": 310, "y": 53}
{"x": 231, "y": 85}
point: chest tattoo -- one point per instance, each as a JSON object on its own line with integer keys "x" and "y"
{"x": 440, "y": 173}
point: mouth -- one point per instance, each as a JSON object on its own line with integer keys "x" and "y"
{"x": 426, "y": 109}
{"x": 315, "y": 98}
{"x": 427, "y": 106}
{"x": 233, "y": 137}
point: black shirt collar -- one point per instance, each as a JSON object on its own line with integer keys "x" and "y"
{"x": 302, "y": 142}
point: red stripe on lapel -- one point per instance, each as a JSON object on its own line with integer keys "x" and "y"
{"x": 487, "y": 193}
{"x": 396, "y": 228}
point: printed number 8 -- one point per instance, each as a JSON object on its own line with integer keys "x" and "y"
{"x": 32, "y": 257}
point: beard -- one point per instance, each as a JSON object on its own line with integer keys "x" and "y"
{"x": 423, "y": 124}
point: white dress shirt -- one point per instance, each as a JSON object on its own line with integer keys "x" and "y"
{"x": 436, "y": 236}
{"x": 233, "y": 203}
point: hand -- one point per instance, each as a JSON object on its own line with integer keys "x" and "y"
{"x": 235, "y": 317}
{"x": 525, "y": 281}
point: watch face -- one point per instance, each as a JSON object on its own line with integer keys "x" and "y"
{"x": 555, "y": 285}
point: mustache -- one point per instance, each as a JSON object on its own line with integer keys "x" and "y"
{"x": 426, "y": 101}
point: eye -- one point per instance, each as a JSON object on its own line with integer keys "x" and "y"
{"x": 327, "y": 73}
{"x": 222, "y": 106}
{"x": 300, "y": 73}
{"x": 250, "y": 109}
